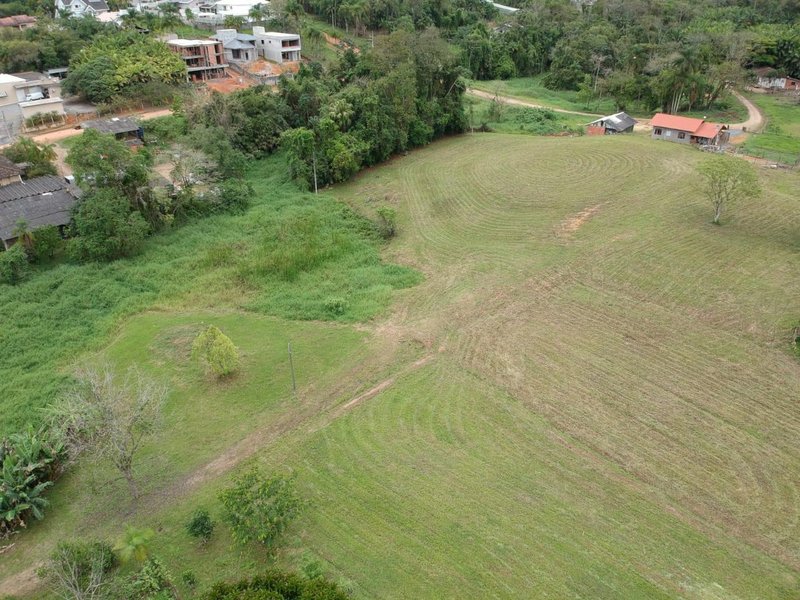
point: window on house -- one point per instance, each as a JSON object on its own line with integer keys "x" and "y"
{"x": 681, "y": 136}
{"x": 658, "y": 131}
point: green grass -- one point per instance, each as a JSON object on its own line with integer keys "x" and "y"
{"x": 531, "y": 88}
{"x": 592, "y": 393}
{"x": 291, "y": 255}
{"x": 727, "y": 110}
{"x": 780, "y": 139}
{"x": 518, "y": 119}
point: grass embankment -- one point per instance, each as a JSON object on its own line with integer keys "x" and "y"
{"x": 292, "y": 255}
{"x": 727, "y": 110}
{"x": 608, "y": 407}
{"x": 780, "y": 139}
{"x": 506, "y": 118}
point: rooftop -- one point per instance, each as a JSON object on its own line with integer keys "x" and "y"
{"x": 620, "y": 120}
{"x": 17, "y": 20}
{"x": 6, "y": 78}
{"x": 114, "y": 126}
{"x": 675, "y": 122}
{"x": 39, "y": 202}
{"x": 189, "y": 43}
{"x": 282, "y": 36}
{"x": 8, "y": 168}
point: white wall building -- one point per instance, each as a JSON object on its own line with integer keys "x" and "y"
{"x": 277, "y": 47}
{"x": 79, "y": 8}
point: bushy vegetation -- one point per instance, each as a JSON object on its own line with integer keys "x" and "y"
{"x": 29, "y": 463}
{"x": 79, "y": 569}
{"x": 106, "y": 228}
{"x": 217, "y": 352}
{"x": 57, "y": 313}
{"x": 277, "y": 585}
{"x": 114, "y": 65}
{"x": 259, "y": 507}
{"x": 201, "y": 525}
{"x": 39, "y": 158}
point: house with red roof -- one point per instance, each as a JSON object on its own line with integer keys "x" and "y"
{"x": 686, "y": 130}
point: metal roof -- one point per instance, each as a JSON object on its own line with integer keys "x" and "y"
{"x": 8, "y": 168}
{"x": 619, "y": 121}
{"x": 237, "y": 44}
{"x": 39, "y": 202}
{"x": 675, "y": 122}
{"x": 113, "y": 126}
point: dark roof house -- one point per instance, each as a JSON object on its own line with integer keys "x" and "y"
{"x": 39, "y": 202}
{"x": 114, "y": 126}
{"x": 9, "y": 172}
{"x": 620, "y": 122}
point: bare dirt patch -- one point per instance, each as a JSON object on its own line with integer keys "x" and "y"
{"x": 573, "y": 223}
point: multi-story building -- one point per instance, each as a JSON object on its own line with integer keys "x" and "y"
{"x": 79, "y": 8}
{"x": 278, "y": 47}
{"x": 23, "y": 95}
{"x": 205, "y": 59}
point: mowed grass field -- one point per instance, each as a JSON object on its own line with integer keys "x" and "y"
{"x": 610, "y": 407}
{"x": 591, "y": 394}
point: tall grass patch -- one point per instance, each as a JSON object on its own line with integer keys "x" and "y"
{"x": 293, "y": 254}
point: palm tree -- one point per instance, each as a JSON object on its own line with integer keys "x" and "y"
{"x": 24, "y": 235}
{"x": 134, "y": 544}
{"x": 258, "y": 13}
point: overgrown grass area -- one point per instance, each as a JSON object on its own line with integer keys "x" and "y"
{"x": 505, "y": 118}
{"x": 292, "y": 254}
{"x": 780, "y": 139}
{"x": 726, "y": 110}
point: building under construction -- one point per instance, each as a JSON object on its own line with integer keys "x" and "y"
{"x": 205, "y": 59}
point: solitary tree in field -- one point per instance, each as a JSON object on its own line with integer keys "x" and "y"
{"x": 110, "y": 418}
{"x": 726, "y": 180}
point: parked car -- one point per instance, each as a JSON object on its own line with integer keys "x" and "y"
{"x": 34, "y": 96}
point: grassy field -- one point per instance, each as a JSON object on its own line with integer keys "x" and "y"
{"x": 292, "y": 255}
{"x": 531, "y": 89}
{"x": 507, "y": 118}
{"x": 591, "y": 394}
{"x": 780, "y": 139}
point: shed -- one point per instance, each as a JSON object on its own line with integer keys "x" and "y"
{"x": 9, "y": 172}
{"x": 620, "y": 122}
{"x": 121, "y": 128}
{"x": 40, "y": 202}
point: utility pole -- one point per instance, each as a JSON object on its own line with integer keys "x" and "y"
{"x": 314, "y": 163}
{"x": 291, "y": 368}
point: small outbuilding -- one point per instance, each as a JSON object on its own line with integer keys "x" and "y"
{"x": 122, "y": 128}
{"x": 40, "y": 202}
{"x": 620, "y": 122}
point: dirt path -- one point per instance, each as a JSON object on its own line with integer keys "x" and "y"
{"x": 23, "y": 583}
{"x": 51, "y": 137}
{"x": 755, "y": 120}
{"x": 516, "y": 102}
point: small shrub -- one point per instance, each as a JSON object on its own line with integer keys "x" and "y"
{"x": 189, "y": 579}
{"x": 200, "y": 526}
{"x": 74, "y": 569}
{"x": 46, "y": 242}
{"x": 387, "y": 222}
{"x": 153, "y": 581}
{"x": 277, "y": 585}
{"x": 259, "y": 508}
{"x": 217, "y": 351}
{"x": 336, "y": 306}
{"x": 14, "y": 265}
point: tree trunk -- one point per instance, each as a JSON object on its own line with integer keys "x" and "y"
{"x": 717, "y": 212}
{"x": 134, "y": 489}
